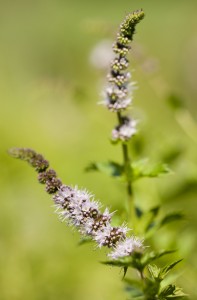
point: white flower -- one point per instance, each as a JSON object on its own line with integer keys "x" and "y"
{"x": 65, "y": 193}
{"x": 109, "y": 236}
{"x": 90, "y": 205}
{"x": 117, "y": 99}
{"x": 118, "y": 105}
{"x": 86, "y": 229}
{"x": 107, "y": 214}
{"x": 101, "y": 235}
{"x": 125, "y": 131}
{"x": 126, "y": 247}
{"x": 116, "y": 93}
{"x": 124, "y": 229}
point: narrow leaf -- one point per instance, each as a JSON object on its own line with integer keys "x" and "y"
{"x": 171, "y": 217}
{"x": 164, "y": 271}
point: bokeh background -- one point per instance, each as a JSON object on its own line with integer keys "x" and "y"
{"x": 50, "y": 83}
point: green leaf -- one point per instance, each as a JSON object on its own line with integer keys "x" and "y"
{"x": 110, "y": 168}
{"x": 171, "y": 217}
{"x": 164, "y": 271}
{"x": 142, "y": 168}
{"x": 168, "y": 290}
{"x": 171, "y": 292}
{"x": 154, "y": 271}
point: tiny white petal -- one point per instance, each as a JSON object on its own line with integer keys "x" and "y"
{"x": 101, "y": 235}
{"x": 126, "y": 247}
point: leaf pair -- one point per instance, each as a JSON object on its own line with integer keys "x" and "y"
{"x": 139, "y": 169}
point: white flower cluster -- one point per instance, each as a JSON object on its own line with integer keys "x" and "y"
{"x": 117, "y": 99}
{"x": 79, "y": 209}
{"x": 124, "y": 131}
{"x": 128, "y": 246}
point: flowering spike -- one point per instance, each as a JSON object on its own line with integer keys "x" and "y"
{"x": 79, "y": 208}
{"x": 118, "y": 95}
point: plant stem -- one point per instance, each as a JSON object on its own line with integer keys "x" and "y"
{"x": 127, "y": 169}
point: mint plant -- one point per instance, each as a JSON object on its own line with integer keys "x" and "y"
{"x": 79, "y": 208}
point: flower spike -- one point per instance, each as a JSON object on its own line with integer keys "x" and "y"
{"x": 79, "y": 208}
{"x": 120, "y": 96}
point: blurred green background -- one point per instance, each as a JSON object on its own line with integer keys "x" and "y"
{"x": 49, "y": 92}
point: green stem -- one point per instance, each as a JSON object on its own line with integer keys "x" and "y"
{"x": 127, "y": 168}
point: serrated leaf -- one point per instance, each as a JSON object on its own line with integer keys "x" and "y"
{"x": 142, "y": 168}
{"x": 171, "y": 292}
{"x": 171, "y": 217}
{"x": 168, "y": 290}
{"x": 164, "y": 271}
{"x": 154, "y": 271}
{"x": 110, "y": 168}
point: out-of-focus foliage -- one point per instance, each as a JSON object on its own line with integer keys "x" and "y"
{"x": 49, "y": 93}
